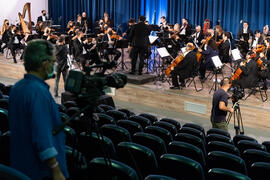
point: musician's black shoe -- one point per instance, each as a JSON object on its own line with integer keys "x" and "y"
{"x": 202, "y": 79}
{"x": 140, "y": 73}
{"x": 264, "y": 88}
{"x": 15, "y": 61}
{"x": 175, "y": 87}
{"x": 183, "y": 85}
{"x": 132, "y": 72}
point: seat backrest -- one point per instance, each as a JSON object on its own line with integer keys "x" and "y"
{"x": 8, "y": 173}
{"x": 259, "y": 170}
{"x": 195, "y": 126}
{"x": 180, "y": 167}
{"x": 219, "y": 159}
{"x": 151, "y": 117}
{"x": 128, "y": 112}
{"x": 167, "y": 126}
{"x": 172, "y": 121}
{"x": 106, "y": 107}
{"x": 117, "y": 115}
{"x": 4, "y": 103}
{"x": 158, "y": 177}
{"x": 131, "y": 126}
{"x": 187, "y": 150}
{"x": 193, "y": 131}
{"x": 72, "y": 110}
{"x": 239, "y": 137}
{"x": 225, "y": 174}
{"x": 267, "y": 145}
{"x": 69, "y": 104}
{"x": 101, "y": 168}
{"x": 105, "y": 119}
{"x": 4, "y": 123}
{"x": 160, "y": 132}
{"x": 141, "y": 120}
{"x": 139, "y": 157}
{"x": 218, "y": 137}
{"x": 243, "y": 145}
{"x": 116, "y": 133}
{"x": 221, "y": 146}
{"x": 155, "y": 143}
{"x": 61, "y": 108}
{"x": 253, "y": 155}
{"x": 218, "y": 131}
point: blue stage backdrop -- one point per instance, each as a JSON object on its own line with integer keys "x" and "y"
{"x": 228, "y": 12}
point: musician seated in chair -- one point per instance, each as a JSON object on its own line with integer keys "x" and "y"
{"x": 224, "y": 49}
{"x": 111, "y": 48}
{"x": 185, "y": 68}
{"x": 15, "y": 43}
{"x": 249, "y": 76}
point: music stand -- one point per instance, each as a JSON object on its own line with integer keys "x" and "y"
{"x": 218, "y": 66}
{"x": 123, "y": 43}
{"x": 163, "y": 53}
{"x": 236, "y": 56}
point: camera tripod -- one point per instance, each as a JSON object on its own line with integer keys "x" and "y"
{"x": 237, "y": 119}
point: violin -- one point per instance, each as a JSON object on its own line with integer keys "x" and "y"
{"x": 220, "y": 42}
{"x": 199, "y": 54}
{"x": 115, "y": 36}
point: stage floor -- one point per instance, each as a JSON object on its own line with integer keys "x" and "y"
{"x": 185, "y": 105}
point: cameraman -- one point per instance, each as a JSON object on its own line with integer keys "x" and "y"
{"x": 220, "y": 106}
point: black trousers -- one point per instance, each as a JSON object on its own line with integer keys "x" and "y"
{"x": 141, "y": 51}
{"x": 92, "y": 57}
{"x": 13, "y": 49}
{"x": 59, "y": 71}
{"x": 111, "y": 51}
{"x": 175, "y": 74}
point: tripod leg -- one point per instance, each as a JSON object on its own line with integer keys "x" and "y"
{"x": 241, "y": 122}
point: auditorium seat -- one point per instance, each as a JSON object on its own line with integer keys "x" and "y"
{"x": 70, "y": 136}
{"x": 139, "y": 157}
{"x": 95, "y": 145}
{"x": 218, "y": 137}
{"x": 105, "y": 119}
{"x": 195, "y": 126}
{"x": 259, "y": 171}
{"x": 64, "y": 117}
{"x": 267, "y": 145}
{"x": 72, "y": 110}
{"x": 193, "y": 131}
{"x": 8, "y": 173}
{"x": 180, "y": 167}
{"x": 4, "y": 104}
{"x": 7, "y": 89}
{"x": 225, "y": 174}
{"x": 4, "y": 124}
{"x": 128, "y": 112}
{"x": 100, "y": 110}
{"x": 173, "y": 122}
{"x": 253, "y": 155}
{"x": 221, "y": 146}
{"x": 160, "y": 132}
{"x": 151, "y": 117}
{"x": 218, "y": 131}
{"x": 5, "y": 148}
{"x": 158, "y": 177}
{"x": 191, "y": 139}
{"x": 219, "y": 159}
{"x": 131, "y": 126}
{"x": 187, "y": 150}
{"x": 117, "y": 115}
{"x": 243, "y": 145}
{"x": 155, "y": 143}
{"x": 106, "y": 169}
{"x": 141, "y": 120}
{"x": 116, "y": 133}
{"x": 167, "y": 126}
{"x": 239, "y": 137}
{"x": 61, "y": 108}
{"x": 69, "y": 104}
{"x": 106, "y": 107}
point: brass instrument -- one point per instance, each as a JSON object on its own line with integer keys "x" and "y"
{"x": 26, "y": 27}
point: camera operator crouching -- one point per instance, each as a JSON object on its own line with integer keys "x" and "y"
{"x": 220, "y": 106}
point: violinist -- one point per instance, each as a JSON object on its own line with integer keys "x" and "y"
{"x": 79, "y": 23}
{"x": 244, "y": 35}
{"x": 256, "y": 40}
{"x": 198, "y": 36}
{"x": 266, "y": 32}
{"x": 185, "y": 68}
{"x": 163, "y": 24}
{"x": 263, "y": 69}
{"x": 218, "y": 33}
{"x": 267, "y": 50}
{"x": 86, "y": 21}
{"x": 110, "y": 49}
{"x": 185, "y": 30}
{"x": 15, "y": 43}
{"x": 224, "y": 50}
{"x": 210, "y": 33}
{"x": 107, "y": 20}
{"x": 47, "y": 35}
{"x": 6, "y": 34}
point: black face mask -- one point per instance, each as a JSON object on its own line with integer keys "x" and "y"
{"x": 83, "y": 38}
{"x": 44, "y": 14}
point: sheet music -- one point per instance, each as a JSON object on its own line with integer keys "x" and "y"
{"x": 152, "y": 39}
{"x": 183, "y": 49}
{"x": 236, "y": 54}
{"x": 163, "y": 52}
{"x": 217, "y": 62}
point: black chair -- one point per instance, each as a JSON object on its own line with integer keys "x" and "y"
{"x": 106, "y": 107}
{"x": 72, "y": 110}
{"x": 128, "y": 112}
{"x": 193, "y": 131}
{"x": 243, "y": 145}
{"x": 69, "y": 104}
{"x": 100, "y": 110}
{"x": 166, "y": 125}
{"x": 239, "y": 137}
{"x": 155, "y": 143}
{"x": 107, "y": 169}
{"x": 104, "y": 119}
{"x": 187, "y": 150}
{"x": 173, "y": 122}
{"x": 267, "y": 145}
{"x": 4, "y": 104}
{"x": 117, "y": 115}
{"x": 64, "y": 117}
{"x": 218, "y": 137}
{"x": 195, "y": 126}
{"x": 225, "y": 174}
{"x": 7, "y": 90}
{"x": 141, "y": 120}
{"x": 219, "y": 159}
{"x": 141, "y": 158}
{"x": 62, "y": 108}
{"x": 4, "y": 124}
{"x": 218, "y": 131}
{"x": 116, "y": 133}
{"x": 224, "y": 147}
{"x": 160, "y": 132}
{"x": 180, "y": 167}
{"x": 131, "y": 126}
{"x": 151, "y": 117}
{"x": 253, "y": 155}
{"x": 8, "y": 173}
{"x": 95, "y": 145}
{"x": 191, "y": 139}
{"x": 259, "y": 171}
{"x": 158, "y": 177}
{"x": 5, "y": 148}
{"x": 70, "y": 136}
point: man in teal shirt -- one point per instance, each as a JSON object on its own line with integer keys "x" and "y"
{"x": 33, "y": 115}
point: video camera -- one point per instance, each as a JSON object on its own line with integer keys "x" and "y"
{"x": 238, "y": 93}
